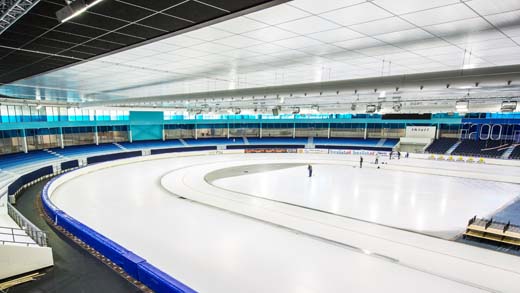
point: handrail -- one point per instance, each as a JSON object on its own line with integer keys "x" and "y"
{"x": 30, "y": 229}
{"x": 13, "y": 234}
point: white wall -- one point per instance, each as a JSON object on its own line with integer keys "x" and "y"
{"x": 16, "y": 260}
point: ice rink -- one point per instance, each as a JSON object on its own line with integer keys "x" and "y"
{"x": 217, "y": 228}
{"x": 431, "y": 204}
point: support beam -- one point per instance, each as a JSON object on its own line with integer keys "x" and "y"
{"x": 12, "y": 10}
{"x": 366, "y": 131}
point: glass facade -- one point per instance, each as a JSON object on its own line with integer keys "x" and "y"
{"x": 17, "y": 114}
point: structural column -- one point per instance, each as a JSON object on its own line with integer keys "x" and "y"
{"x": 62, "y": 144}
{"x": 260, "y": 130}
{"x": 96, "y": 135}
{"x": 294, "y": 130}
{"x": 328, "y": 132}
{"x": 196, "y": 135}
{"x": 163, "y": 133}
{"x": 437, "y": 132}
{"x": 24, "y": 141}
{"x": 228, "y": 130}
{"x": 366, "y": 131}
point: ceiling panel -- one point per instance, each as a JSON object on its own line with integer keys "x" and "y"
{"x": 107, "y": 26}
{"x": 295, "y": 42}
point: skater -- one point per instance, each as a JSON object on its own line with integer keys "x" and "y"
{"x": 377, "y": 159}
{"x": 398, "y": 155}
{"x": 360, "y": 162}
{"x": 391, "y": 152}
{"x": 309, "y": 168}
{"x": 407, "y": 154}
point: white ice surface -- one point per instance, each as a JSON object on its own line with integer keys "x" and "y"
{"x": 215, "y": 251}
{"x": 439, "y": 205}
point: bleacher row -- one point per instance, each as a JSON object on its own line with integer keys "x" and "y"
{"x": 476, "y": 148}
{"x": 12, "y": 161}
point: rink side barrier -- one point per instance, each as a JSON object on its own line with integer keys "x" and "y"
{"x": 111, "y": 157}
{"x": 69, "y": 165}
{"x": 264, "y": 146}
{"x": 28, "y": 179}
{"x": 183, "y": 149}
{"x": 134, "y": 265}
{"x": 347, "y": 147}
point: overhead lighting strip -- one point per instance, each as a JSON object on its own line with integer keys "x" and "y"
{"x": 74, "y": 9}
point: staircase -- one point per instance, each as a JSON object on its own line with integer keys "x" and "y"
{"x": 184, "y": 143}
{"x": 310, "y": 143}
{"x": 246, "y": 141}
{"x": 508, "y": 152}
{"x": 55, "y": 154}
{"x": 381, "y": 142}
{"x": 453, "y": 147}
{"x": 120, "y": 146}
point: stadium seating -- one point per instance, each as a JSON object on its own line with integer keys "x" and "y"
{"x": 11, "y": 161}
{"x": 441, "y": 145}
{"x": 151, "y": 144}
{"x": 357, "y": 142}
{"x": 214, "y": 141}
{"x": 516, "y": 153}
{"x": 86, "y": 150}
{"x": 278, "y": 140}
{"x": 482, "y": 148}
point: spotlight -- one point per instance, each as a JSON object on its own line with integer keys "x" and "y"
{"x": 371, "y": 108}
{"x": 397, "y": 107}
{"x": 462, "y": 106}
{"x": 74, "y": 9}
{"x": 508, "y": 106}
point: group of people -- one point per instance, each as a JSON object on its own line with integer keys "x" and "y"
{"x": 376, "y": 161}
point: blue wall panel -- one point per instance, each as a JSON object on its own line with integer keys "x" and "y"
{"x": 146, "y": 132}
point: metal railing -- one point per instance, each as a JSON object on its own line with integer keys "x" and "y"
{"x": 30, "y": 229}
{"x": 13, "y": 234}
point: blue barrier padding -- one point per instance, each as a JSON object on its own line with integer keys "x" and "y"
{"x": 185, "y": 149}
{"x": 29, "y": 177}
{"x": 69, "y": 165}
{"x": 111, "y": 157}
{"x": 266, "y": 146}
{"x": 160, "y": 282}
{"x": 346, "y": 147}
{"x": 133, "y": 264}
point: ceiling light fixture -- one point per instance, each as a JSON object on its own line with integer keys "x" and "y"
{"x": 371, "y": 108}
{"x": 74, "y": 9}
{"x": 508, "y": 106}
{"x": 462, "y": 106}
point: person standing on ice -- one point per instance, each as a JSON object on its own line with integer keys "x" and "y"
{"x": 398, "y": 155}
{"x": 360, "y": 162}
{"x": 309, "y": 168}
{"x": 377, "y": 159}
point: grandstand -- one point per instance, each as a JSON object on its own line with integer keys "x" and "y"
{"x": 186, "y": 146}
